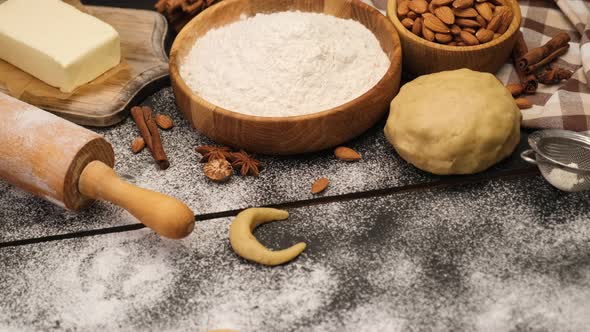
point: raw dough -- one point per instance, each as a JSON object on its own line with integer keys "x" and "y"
{"x": 454, "y": 122}
{"x": 246, "y": 245}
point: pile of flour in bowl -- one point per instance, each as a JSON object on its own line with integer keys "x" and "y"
{"x": 285, "y": 64}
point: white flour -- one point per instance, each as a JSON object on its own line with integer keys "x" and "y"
{"x": 564, "y": 180}
{"x": 285, "y": 64}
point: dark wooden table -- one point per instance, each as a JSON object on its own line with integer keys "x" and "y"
{"x": 389, "y": 247}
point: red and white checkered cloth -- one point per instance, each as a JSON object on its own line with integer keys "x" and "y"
{"x": 565, "y": 105}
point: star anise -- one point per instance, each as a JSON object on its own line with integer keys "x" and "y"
{"x": 211, "y": 152}
{"x": 245, "y": 164}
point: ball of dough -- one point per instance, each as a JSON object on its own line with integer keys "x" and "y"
{"x": 454, "y": 122}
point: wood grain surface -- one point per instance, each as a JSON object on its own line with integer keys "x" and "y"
{"x": 297, "y": 134}
{"x": 106, "y": 100}
{"x": 424, "y": 57}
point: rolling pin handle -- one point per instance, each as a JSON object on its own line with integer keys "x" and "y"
{"x": 165, "y": 215}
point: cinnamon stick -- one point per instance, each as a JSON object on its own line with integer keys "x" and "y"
{"x": 547, "y": 60}
{"x": 537, "y": 54}
{"x": 529, "y": 82}
{"x": 145, "y": 120}
{"x": 157, "y": 148}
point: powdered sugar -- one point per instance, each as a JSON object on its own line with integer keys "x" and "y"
{"x": 491, "y": 256}
{"x": 563, "y": 179}
{"x": 285, "y": 64}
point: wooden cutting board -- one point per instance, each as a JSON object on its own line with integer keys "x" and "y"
{"x": 106, "y": 100}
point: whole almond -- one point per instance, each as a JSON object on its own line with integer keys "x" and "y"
{"x": 445, "y": 14}
{"x": 427, "y": 33}
{"x": 453, "y": 43}
{"x": 418, "y": 6}
{"x": 417, "y": 27}
{"x": 470, "y": 30}
{"x": 515, "y": 89}
{"x": 462, "y": 3}
{"x": 505, "y": 21}
{"x": 455, "y": 29}
{"x": 468, "y": 38}
{"x": 441, "y": 2}
{"x": 346, "y": 154}
{"x": 484, "y": 10}
{"x": 412, "y": 15}
{"x": 461, "y": 44}
{"x": 494, "y": 23}
{"x": 402, "y": 8}
{"x": 137, "y": 145}
{"x": 408, "y": 22}
{"x": 482, "y": 21}
{"x": 523, "y": 103}
{"x": 431, "y": 8}
{"x": 484, "y": 35}
{"x": 164, "y": 121}
{"x": 467, "y": 23}
{"x": 465, "y": 12}
{"x": 319, "y": 185}
{"x": 443, "y": 38}
{"x": 497, "y": 35}
{"x": 435, "y": 24}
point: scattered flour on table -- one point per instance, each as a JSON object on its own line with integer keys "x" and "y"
{"x": 563, "y": 179}
{"x": 285, "y": 64}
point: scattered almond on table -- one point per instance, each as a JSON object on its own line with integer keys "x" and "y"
{"x": 458, "y": 22}
{"x": 164, "y": 121}
{"x": 319, "y": 185}
{"x": 137, "y": 145}
{"x": 346, "y": 154}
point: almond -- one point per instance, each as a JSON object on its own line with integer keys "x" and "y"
{"x": 402, "y": 8}
{"x": 319, "y": 185}
{"x": 418, "y": 6}
{"x": 497, "y": 35}
{"x": 505, "y": 21}
{"x": 408, "y": 22}
{"x": 465, "y": 12}
{"x": 515, "y": 89}
{"x": 494, "y": 23}
{"x": 164, "y": 121}
{"x": 431, "y": 8}
{"x": 441, "y": 2}
{"x": 444, "y": 38}
{"x": 462, "y": 3}
{"x": 484, "y": 10}
{"x": 467, "y": 23}
{"x": 137, "y": 145}
{"x": 484, "y": 35}
{"x": 482, "y": 21}
{"x": 523, "y": 103}
{"x": 453, "y": 43}
{"x": 435, "y": 24}
{"x": 427, "y": 33}
{"x": 470, "y": 30}
{"x": 417, "y": 27}
{"x": 468, "y": 38}
{"x": 445, "y": 14}
{"x": 412, "y": 15}
{"x": 455, "y": 29}
{"x": 347, "y": 154}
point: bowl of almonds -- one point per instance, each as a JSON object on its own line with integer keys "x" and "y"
{"x": 439, "y": 35}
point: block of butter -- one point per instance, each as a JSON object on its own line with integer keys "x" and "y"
{"x": 56, "y": 42}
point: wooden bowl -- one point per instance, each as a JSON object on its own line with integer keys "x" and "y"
{"x": 424, "y": 57}
{"x": 293, "y": 134}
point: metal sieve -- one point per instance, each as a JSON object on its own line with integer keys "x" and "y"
{"x": 554, "y": 151}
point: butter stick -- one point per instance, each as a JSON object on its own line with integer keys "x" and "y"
{"x": 56, "y": 42}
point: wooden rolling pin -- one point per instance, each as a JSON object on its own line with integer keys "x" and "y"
{"x": 72, "y": 166}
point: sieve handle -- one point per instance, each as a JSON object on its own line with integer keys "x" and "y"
{"x": 527, "y": 156}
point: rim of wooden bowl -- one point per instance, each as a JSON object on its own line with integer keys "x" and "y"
{"x": 394, "y": 67}
{"x": 514, "y": 26}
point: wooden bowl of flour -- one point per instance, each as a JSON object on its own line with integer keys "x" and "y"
{"x": 289, "y": 134}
